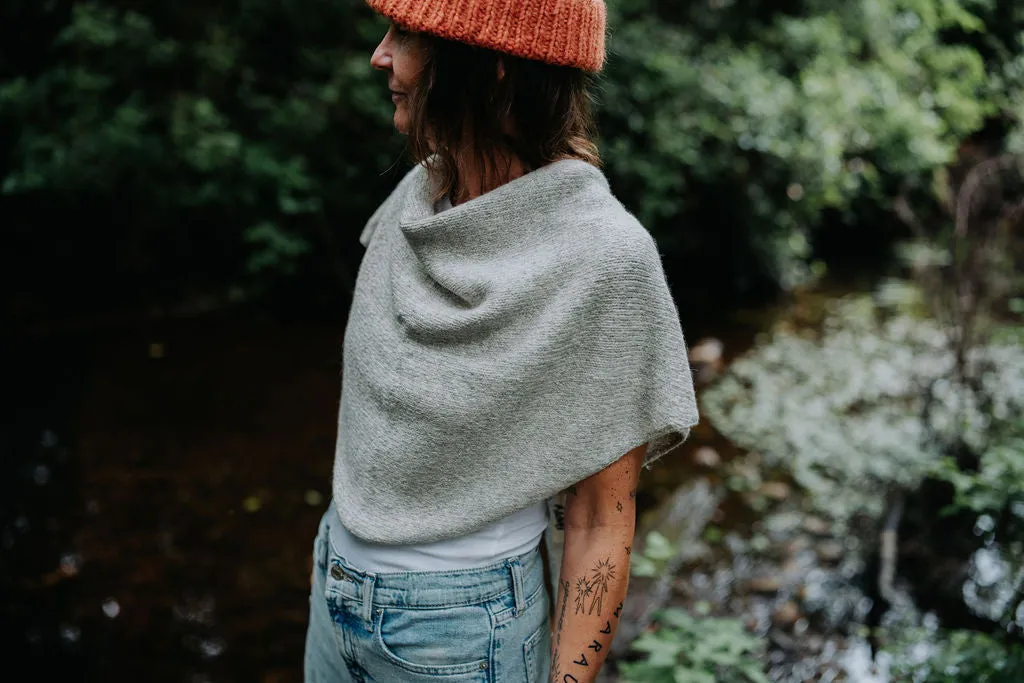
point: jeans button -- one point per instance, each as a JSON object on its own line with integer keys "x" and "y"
{"x": 336, "y": 573}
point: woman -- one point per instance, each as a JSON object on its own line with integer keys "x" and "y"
{"x": 512, "y": 342}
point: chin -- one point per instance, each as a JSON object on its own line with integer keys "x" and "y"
{"x": 402, "y": 122}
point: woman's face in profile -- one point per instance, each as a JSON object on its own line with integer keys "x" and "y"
{"x": 400, "y": 54}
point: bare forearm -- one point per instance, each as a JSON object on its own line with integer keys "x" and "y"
{"x": 594, "y": 577}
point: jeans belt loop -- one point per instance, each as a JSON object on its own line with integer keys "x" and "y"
{"x": 516, "y": 570}
{"x": 368, "y": 585}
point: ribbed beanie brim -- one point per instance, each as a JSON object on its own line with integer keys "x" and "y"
{"x": 563, "y": 32}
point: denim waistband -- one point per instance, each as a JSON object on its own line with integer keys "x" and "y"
{"x": 523, "y": 574}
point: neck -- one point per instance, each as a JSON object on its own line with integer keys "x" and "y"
{"x": 475, "y": 180}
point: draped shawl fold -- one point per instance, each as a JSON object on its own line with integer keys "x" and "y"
{"x": 501, "y": 351}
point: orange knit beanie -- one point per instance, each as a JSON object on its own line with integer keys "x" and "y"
{"x": 564, "y": 32}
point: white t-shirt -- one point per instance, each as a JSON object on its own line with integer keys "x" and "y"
{"x": 514, "y": 535}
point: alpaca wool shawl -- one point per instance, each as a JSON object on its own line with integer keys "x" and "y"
{"x": 501, "y": 351}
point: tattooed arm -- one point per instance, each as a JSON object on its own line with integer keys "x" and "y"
{"x": 600, "y": 515}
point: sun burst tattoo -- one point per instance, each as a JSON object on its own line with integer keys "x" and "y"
{"x": 602, "y": 573}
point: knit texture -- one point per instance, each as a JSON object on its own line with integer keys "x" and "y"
{"x": 501, "y": 351}
{"x": 564, "y": 32}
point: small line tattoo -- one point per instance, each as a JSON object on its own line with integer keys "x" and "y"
{"x": 583, "y": 591}
{"x": 602, "y": 573}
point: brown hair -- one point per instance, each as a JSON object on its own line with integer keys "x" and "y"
{"x": 464, "y": 114}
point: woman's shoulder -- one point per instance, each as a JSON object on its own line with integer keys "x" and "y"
{"x": 609, "y": 234}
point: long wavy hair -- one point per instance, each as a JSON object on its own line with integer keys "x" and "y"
{"x": 478, "y": 108}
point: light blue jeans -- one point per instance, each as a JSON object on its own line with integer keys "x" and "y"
{"x": 487, "y": 625}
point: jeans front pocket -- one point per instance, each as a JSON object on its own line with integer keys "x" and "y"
{"x": 445, "y": 642}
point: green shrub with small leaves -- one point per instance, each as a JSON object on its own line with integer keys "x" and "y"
{"x": 998, "y": 483}
{"x": 957, "y": 657}
{"x": 183, "y": 147}
{"x": 180, "y": 147}
{"x": 758, "y": 124}
{"x": 685, "y": 649}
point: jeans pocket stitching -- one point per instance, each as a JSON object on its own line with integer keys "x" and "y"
{"x": 425, "y": 669}
{"x": 540, "y": 591}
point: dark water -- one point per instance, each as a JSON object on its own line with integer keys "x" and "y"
{"x": 161, "y": 488}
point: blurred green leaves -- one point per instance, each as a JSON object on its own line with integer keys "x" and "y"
{"x": 685, "y": 649}
{"x": 213, "y": 143}
{"x": 737, "y": 131}
{"x": 819, "y": 111}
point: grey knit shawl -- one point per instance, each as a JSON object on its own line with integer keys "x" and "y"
{"x": 501, "y": 351}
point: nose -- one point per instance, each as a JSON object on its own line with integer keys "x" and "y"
{"x": 381, "y": 58}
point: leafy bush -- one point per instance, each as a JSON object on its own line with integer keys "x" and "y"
{"x": 209, "y": 145}
{"x": 683, "y": 649}
{"x": 196, "y": 143}
{"x": 957, "y": 657}
{"x": 760, "y": 124}
{"x": 867, "y": 405}
{"x": 996, "y": 485}
{"x": 654, "y": 559}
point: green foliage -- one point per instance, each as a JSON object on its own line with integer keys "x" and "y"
{"x": 253, "y": 136}
{"x": 681, "y": 648}
{"x": 997, "y": 484}
{"x": 684, "y": 649}
{"x": 231, "y": 137}
{"x": 771, "y": 127}
{"x": 654, "y": 559}
{"x": 957, "y": 657}
{"x": 866, "y": 405}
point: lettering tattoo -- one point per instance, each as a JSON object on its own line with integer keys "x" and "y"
{"x": 556, "y": 663}
{"x": 561, "y": 617}
{"x": 595, "y": 646}
{"x": 582, "y": 661}
{"x": 629, "y": 550}
{"x": 618, "y": 610}
{"x": 607, "y": 628}
{"x": 618, "y": 505}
